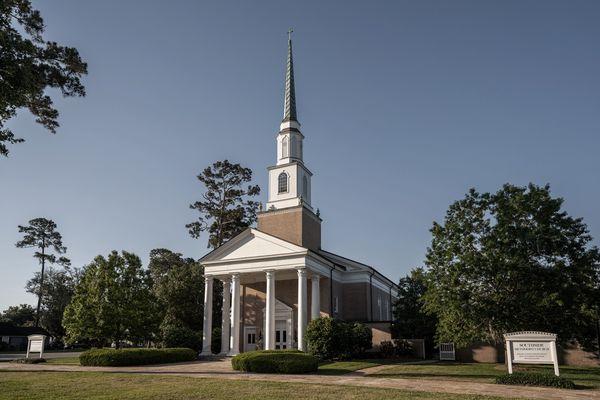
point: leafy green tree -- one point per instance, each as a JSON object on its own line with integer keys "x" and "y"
{"x": 21, "y": 315}
{"x": 29, "y": 65}
{"x": 509, "y": 261}
{"x": 411, "y": 321}
{"x": 178, "y": 284}
{"x": 41, "y": 234}
{"x": 226, "y": 209}
{"x": 112, "y": 302}
{"x": 59, "y": 287}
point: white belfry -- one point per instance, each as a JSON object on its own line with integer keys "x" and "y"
{"x": 207, "y": 322}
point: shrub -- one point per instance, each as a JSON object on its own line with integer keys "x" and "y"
{"x": 329, "y": 338}
{"x": 215, "y": 343}
{"x": 174, "y": 336}
{"x": 124, "y": 357}
{"x": 387, "y": 349}
{"x": 275, "y": 362}
{"x": 535, "y": 379}
{"x": 403, "y": 347}
{"x": 29, "y": 360}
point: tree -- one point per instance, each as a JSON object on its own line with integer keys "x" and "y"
{"x": 112, "y": 302}
{"x": 29, "y": 65}
{"x": 21, "y": 315}
{"x": 411, "y": 321}
{"x": 178, "y": 284}
{"x": 512, "y": 260}
{"x": 59, "y": 287}
{"x": 41, "y": 234}
{"x": 226, "y": 208}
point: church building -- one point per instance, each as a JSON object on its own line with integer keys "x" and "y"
{"x": 277, "y": 277}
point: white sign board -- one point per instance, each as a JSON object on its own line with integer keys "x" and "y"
{"x": 36, "y": 344}
{"x": 531, "y": 348}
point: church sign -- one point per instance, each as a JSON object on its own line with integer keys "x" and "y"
{"x": 531, "y": 348}
{"x": 35, "y": 344}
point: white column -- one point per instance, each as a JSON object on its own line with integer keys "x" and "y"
{"x": 315, "y": 297}
{"x": 235, "y": 315}
{"x": 207, "y": 325}
{"x": 226, "y": 317}
{"x": 302, "y": 308}
{"x": 270, "y": 312}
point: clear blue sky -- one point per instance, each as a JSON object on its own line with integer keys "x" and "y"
{"x": 404, "y": 105}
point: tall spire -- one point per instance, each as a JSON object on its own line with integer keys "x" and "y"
{"x": 289, "y": 98}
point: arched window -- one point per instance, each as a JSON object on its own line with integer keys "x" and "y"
{"x": 304, "y": 187}
{"x": 285, "y": 147}
{"x": 282, "y": 183}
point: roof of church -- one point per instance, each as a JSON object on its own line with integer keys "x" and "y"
{"x": 345, "y": 262}
{"x": 289, "y": 97}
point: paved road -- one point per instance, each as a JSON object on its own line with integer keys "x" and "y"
{"x": 222, "y": 370}
{"x": 62, "y": 354}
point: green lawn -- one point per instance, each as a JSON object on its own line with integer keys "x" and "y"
{"x": 117, "y": 386}
{"x": 585, "y": 377}
{"x": 344, "y": 367}
{"x": 63, "y": 361}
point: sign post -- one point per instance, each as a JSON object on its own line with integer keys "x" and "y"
{"x": 36, "y": 344}
{"x": 531, "y": 348}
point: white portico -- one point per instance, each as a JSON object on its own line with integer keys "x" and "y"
{"x": 256, "y": 257}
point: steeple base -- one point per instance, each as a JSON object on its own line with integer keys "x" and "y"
{"x": 298, "y": 225}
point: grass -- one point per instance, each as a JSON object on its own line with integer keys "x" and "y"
{"x": 117, "y": 386}
{"x": 63, "y": 361}
{"x": 584, "y": 377}
{"x": 344, "y": 367}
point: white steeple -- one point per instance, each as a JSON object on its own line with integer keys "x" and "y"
{"x": 289, "y": 179}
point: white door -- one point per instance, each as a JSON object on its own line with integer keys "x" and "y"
{"x": 281, "y": 339}
{"x": 249, "y": 338}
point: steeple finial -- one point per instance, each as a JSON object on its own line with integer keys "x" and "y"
{"x": 289, "y": 98}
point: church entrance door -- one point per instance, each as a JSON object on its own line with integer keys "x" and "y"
{"x": 281, "y": 339}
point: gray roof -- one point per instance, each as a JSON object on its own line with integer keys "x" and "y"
{"x": 289, "y": 98}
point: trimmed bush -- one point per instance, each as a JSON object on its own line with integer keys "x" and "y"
{"x": 125, "y": 357}
{"x": 275, "y": 362}
{"x": 535, "y": 379}
{"x": 330, "y": 338}
{"x": 174, "y": 336}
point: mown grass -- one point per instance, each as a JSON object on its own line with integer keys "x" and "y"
{"x": 584, "y": 377}
{"x": 119, "y": 386}
{"x": 63, "y": 361}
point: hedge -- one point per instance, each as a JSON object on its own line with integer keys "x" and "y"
{"x": 124, "y": 357}
{"x": 535, "y": 379}
{"x": 275, "y": 362}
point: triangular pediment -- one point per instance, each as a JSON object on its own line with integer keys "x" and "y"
{"x": 253, "y": 243}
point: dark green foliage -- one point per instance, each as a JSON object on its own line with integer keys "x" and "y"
{"x": 178, "y": 285}
{"x": 29, "y": 361}
{"x": 225, "y": 209}
{"x": 113, "y": 302}
{"x": 125, "y": 357}
{"x": 29, "y": 66}
{"x": 387, "y": 349}
{"x": 41, "y": 234}
{"x": 510, "y": 261}
{"x": 411, "y": 321}
{"x": 21, "y": 315}
{"x": 275, "y": 362}
{"x": 535, "y": 379}
{"x": 329, "y": 338}
{"x": 59, "y": 287}
{"x": 215, "y": 343}
{"x": 181, "y": 336}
